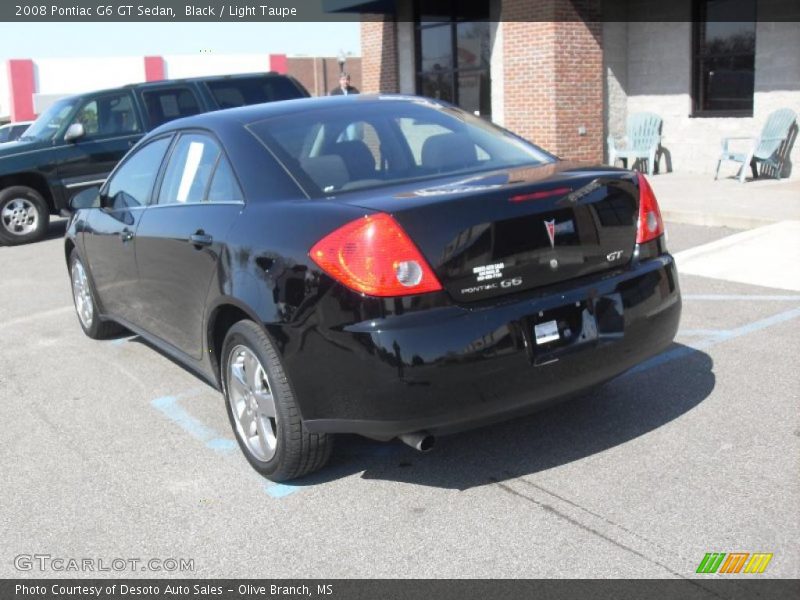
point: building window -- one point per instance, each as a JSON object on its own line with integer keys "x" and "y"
{"x": 453, "y": 53}
{"x": 724, "y": 58}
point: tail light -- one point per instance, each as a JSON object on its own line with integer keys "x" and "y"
{"x": 373, "y": 255}
{"x": 650, "y": 224}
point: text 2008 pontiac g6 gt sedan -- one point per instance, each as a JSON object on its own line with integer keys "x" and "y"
{"x": 387, "y": 266}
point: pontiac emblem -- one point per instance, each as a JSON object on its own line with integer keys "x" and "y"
{"x": 551, "y": 231}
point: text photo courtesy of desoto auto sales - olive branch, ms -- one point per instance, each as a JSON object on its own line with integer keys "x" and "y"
{"x": 398, "y": 298}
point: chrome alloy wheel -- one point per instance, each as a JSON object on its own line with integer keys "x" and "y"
{"x": 19, "y": 216}
{"x": 84, "y": 305}
{"x": 252, "y": 403}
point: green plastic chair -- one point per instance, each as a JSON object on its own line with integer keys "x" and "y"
{"x": 766, "y": 149}
{"x": 642, "y": 141}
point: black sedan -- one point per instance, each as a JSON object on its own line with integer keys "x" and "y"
{"x": 381, "y": 265}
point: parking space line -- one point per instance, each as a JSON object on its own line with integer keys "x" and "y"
{"x": 717, "y": 338}
{"x": 746, "y": 297}
{"x": 703, "y": 332}
{"x": 280, "y": 490}
{"x": 749, "y": 328}
{"x": 168, "y": 405}
{"x": 221, "y": 444}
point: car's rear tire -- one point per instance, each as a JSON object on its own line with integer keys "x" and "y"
{"x": 85, "y": 303}
{"x": 24, "y": 215}
{"x": 262, "y": 408}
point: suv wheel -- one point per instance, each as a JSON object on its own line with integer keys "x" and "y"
{"x": 85, "y": 305}
{"x": 24, "y": 215}
{"x": 262, "y": 408}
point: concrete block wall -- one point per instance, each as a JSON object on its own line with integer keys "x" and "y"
{"x": 655, "y": 74}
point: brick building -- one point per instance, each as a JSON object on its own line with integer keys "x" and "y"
{"x": 320, "y": 74}
{"x": 565, "y": 75}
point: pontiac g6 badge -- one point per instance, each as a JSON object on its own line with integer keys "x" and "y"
{"x": 551, "y": 231}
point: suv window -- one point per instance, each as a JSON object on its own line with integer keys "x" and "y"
{"x": 189, "y": 171}
{"x": 108, "y": 115}
{"x": 132, "y": 184}
{"x": 18, "y": 130}
{"x": 230, "y": 93}
{"x": 166, "y": 104}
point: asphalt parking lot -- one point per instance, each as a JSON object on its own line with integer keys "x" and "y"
{"x": 110, "y": 450}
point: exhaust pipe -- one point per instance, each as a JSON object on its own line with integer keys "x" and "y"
{"x": 422, "y": 441}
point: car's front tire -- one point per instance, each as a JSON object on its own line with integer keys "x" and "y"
{"x": 85, "y": 303}
{"x": 24, "y": 215}
{"x": 262, "y": 408}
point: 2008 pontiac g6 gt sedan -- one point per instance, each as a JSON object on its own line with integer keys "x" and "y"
{"x": 381, "y": 265}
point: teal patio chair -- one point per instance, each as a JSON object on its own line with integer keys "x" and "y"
{"x": 769, "y": 149}
{"x": 642, "y": 141}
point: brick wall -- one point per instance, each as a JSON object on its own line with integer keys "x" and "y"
{"x": 378, "y": 54}
{"x": 320, "y": 75}
{"x": 553, "y": 75}
{"x": 552, "y": 72}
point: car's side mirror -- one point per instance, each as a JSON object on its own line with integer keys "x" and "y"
{"x": 88, "y": 198}
{"x": 74, "y": 132}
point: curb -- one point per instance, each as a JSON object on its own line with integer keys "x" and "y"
{"x": 715, "y": 220}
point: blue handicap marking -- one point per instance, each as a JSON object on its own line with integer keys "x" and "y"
{"x": 713, "y": 337}
{"x": 280, "y": 490}
{"x": 169, "y": 406}
{"x": 221, "y": 445}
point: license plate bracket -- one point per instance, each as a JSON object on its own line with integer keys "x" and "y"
{"x": 560, "y": 330}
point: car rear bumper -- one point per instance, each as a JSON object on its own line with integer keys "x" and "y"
{"x": 451, "y": 368}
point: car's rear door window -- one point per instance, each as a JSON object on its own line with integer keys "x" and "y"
{"x": 168, "y": 103}
{"x": 132, "y": 183}
{"x": 224, "y": 186}
{"x": 241, "y": 91}
{"x": 189, "y": 171}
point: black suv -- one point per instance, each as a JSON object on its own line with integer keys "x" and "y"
{"x": 76, "y": 142}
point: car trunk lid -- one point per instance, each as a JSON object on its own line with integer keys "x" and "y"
{"x": 520, "y": 229}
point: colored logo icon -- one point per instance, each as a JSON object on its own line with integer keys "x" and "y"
{"x": 734, "y": 562}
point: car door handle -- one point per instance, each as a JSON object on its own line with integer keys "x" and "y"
{"x": 126, "y": 235}
{"x": 200, "y": 239}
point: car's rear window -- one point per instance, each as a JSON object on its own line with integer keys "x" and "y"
{"x": 230, "y": 93}
{"x": 362, "y": 145}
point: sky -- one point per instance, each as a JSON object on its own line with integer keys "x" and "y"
{"x": 64, "y": 40}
